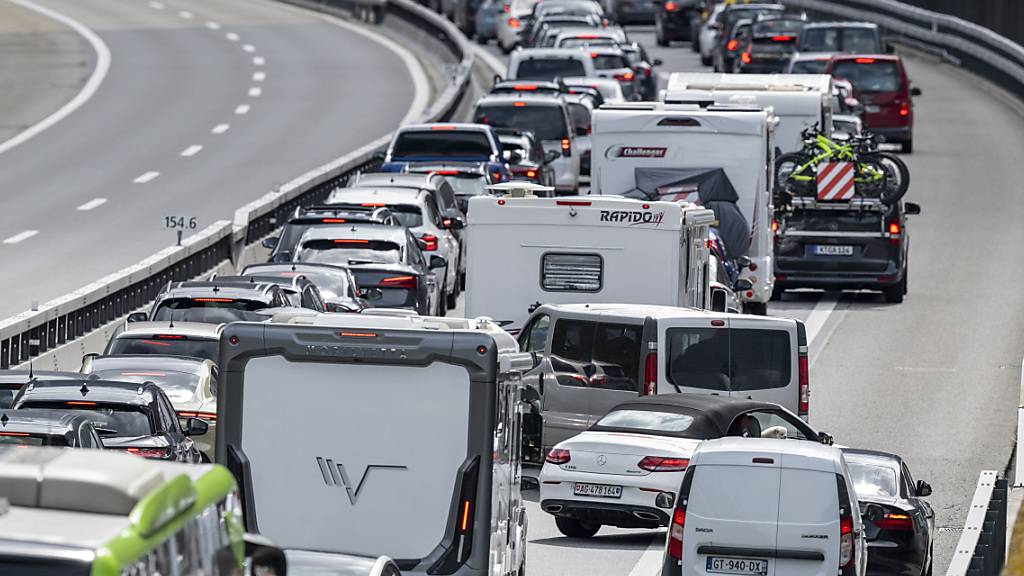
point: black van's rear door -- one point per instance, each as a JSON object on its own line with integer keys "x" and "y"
{"x": 852, "y": 241}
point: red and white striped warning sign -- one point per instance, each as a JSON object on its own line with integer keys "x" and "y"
{"x": 835, "y": 181}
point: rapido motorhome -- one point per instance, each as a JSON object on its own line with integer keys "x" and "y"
{"x": 527, "y": 251}
{"x": 717, "y": 156}
{"x": 366, "y": 434}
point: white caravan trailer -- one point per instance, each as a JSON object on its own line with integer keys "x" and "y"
{"x": 352, "y": 433}
{"x": 524, "y": 252}
{"x": 799, "y": 100}
{"x": 717, "y": 156}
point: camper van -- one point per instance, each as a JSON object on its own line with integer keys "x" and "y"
{"x": 367, "y": 433}
{"x": 719, "y": 157}
{"x": 528, "y": 251}
{"x": 800, "y": 101}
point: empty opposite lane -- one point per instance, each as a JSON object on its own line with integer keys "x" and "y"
{"x": 206, "y": 106}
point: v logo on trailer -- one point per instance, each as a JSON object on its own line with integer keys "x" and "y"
{"x": 335, "y": 475}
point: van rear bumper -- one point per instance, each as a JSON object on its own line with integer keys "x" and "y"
{"x": 837, "y": 281}
{"x": 893, "y": 134}
{"x": 610, "y": 514}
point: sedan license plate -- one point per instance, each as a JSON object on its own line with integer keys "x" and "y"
{"x": 833, "y": 250}
{"x": 720, "y": 565}
{"x": 597, "y": 490}
{"x": 872, "y": 109}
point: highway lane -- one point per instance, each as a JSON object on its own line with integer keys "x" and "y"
{"x": 207, "y": 105}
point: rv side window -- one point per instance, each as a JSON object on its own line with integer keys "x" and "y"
{"x": 723, "y": 359}
{"x": 571, "y": 272}
{"x": 536, "y": 335}
{"x": 605, "y": 356}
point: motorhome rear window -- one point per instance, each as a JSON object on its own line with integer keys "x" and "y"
{"x": 870, "y": 76}
{"x": 729, "y": 359}
{"x": 571, "y": 272}
{"x": 549, "y": 68}
{"x": 443, "y": 144}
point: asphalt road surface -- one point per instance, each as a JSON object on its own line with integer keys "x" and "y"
{"x": 207, "y": 104}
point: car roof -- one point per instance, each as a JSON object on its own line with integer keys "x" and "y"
{"x": 873, "y": 456}
{"x": 395, "y": 234}
{"x": 443, "y": 127}
{"x": 42, "y": 421}
{"x": 396, "y": 179}
{"x": 530, "y": 53}
{"x": 531, "y": 97}
{"x": 641, "y": 311}
{"x": 721, "y": 410}
{"x": 730, "y": 449}
{"x": 187, "y": 364}
{"x": 190, "y": 329}
{"x": 299, "y": 267}
{"x": 371, "y": 194}
{"x": 837, "y": 24}
{"x": 229, "y": 289}
{"x": 91, "y": 390}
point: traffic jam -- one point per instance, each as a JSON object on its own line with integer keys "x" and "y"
{"x": 468, "y": 321}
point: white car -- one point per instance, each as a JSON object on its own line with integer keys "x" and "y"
{"x": 609, "y": 88}
{"x": 511, "y": 22}
{"x": 626, "y": 470}
{"x": 709, "y": 34}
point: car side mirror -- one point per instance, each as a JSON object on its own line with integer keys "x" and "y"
{"x": 915, "y": 91}
{"x": 890, "y": 48}
{"x": 437, "y": 262}
{"x": 270, "y": 242}
{"x": 550, "y": 156}
{"x": 196, "y": 427}
{"x": 138, "y": 317}
{"x": 454, "y": 223}
{"x": 826, "y": 439}
{"x": 873, "y": 512}
{"x": 379, "y": 156}
{"x": 657, "y": 62}
{"x": 87, "y": 362}
{"x": 282, "y": 257}
{"x": 743, "y": 262}
{"x": 911, "y": 208}
{"x": 581, "y": 131}
{"x": 923, "y": 489}
{"x": 742, "y": 285}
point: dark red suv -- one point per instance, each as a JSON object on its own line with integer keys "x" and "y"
{"x": 885, "y": 91}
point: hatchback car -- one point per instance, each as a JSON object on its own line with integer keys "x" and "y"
{"x": 612, "y": 62}
{"x": 885, "y": 91}
{"x": 213, "y": 302}
{"x": 549, "y": 64}
{"x": 769, "y": 45}
{"x": 467, "y": 179}
{"x": 337, "y": 284}
{"x": 40, "y": 427}
{"x": 281, "y": 245}
{"x": 448, "y": 142}
{"x": 673, "y": 20}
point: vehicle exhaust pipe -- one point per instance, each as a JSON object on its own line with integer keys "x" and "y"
{"x": 646, "y": 515}
{"x": 553, "y": 508}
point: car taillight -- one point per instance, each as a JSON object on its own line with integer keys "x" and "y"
{"x": 675, "y": 534}
{"x": 625, "y": 77}
{"x": 650, "y": 375}
{"x": 566, "y": 145}
{"x": 845, "y": 541}
{"x": 407, "y": 282}
{"x": 905, "y": 109}
{"x": 732, "y": 45}
{"x": 430, "y": 242}
{"x": 895, "y": 522}
{"x": 895, "y": 232}
{"x": 558, "y": 456}
{"x": 805, "y": 386}
{"x": 514, "y": 23}
{"x": 155, "y": 453}
{"x": 531, "y": 173}
{"x": 670, "y": 6}
{"x": 745, "y": 57}
{"x": 659, "y": 464}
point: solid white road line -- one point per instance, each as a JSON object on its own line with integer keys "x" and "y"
{"x": 259, "y": 76}
{"x": 213, "y": 25}
{"x": 819, "y": 315}
{"x": 258, "y": 61}
{"x": 148, "y": 176}
{"x": 156, "y": 5}
{"x": 220, "y": 128}
{"x": 249, "y": 48}
{"x": 186, "y": 15}
{"x": 650, "y": 561}
{"x": 232, "y": 36}
{"x": 1018, "y": 473}
{"x": 21, "y": 236}
{"x": 94, "y": 203}
{"x": 191, "y": 150}
{"x": 255, "y": 91}
{"x": 87, "y": 91}
{"x": 243, "y": 109}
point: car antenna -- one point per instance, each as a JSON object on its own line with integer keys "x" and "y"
{"x": 171, "y": 325}
{"x": 31, "y": 374}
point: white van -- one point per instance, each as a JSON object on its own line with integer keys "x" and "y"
{"x": 717, "y": 156}
{"x": 766, "y": 507}
{"x": 591, "y": 357}
{"x": 800, "y": 101}
{"x": 524, "y": 252}
{"x": 351, "y": 433}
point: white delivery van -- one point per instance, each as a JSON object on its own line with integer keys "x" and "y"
{"x": 717, "y": 156}
{"x": 800, "y": 101}
{"x": 354, "y": 433}
{"x": 524, "y": 252}
{"x": 769, "y": 507}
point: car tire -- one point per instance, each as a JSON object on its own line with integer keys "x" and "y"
{"x": 573, "y": 528}
{"x": 894, "y": 294}
{"x": 659, "y": 36}
{"x": 462, "y": 281}
{"x": 705, "y": 60}
{"x": 777, "y": 292}
{"x": 442, "y": 302}
{"x": 755, "y": 308}
{"x": 907, "y": 147}
{"x": 481, "y": 40}
{"x": 451, "y": 300}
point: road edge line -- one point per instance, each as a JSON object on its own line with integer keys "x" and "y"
{"x": 650, "y": 561}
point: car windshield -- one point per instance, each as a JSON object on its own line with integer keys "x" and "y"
{"x": 549, "y": 68}
{"x": 809, "y": 67}
{"x": 545, "y": 121}
{"x": 647, "y": 421}
{"x": 468, "y": 184}
{"x": 350, "y": 252}
{"x": 869, "y": 75}
{"x": 180, "y": 387}
{"x": 169, "y": 345}
{"x": 126, "y": 420}
{"x": 853, "y": 40}
{"x": 722, "y": 359}
{"x": 872, "y": 481}
{"x": 442, "y": 143}
{"x": 212, "y": 309}
{"x": 609, "y": 61}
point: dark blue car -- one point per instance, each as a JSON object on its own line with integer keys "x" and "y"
{"x": 447, "y": 143}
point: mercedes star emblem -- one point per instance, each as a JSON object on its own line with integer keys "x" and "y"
{"x": 602, "y": 460}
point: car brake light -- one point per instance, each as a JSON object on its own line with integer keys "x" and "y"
{"x": 732, "y": 45}
{"x": 439, "y": 127}
{"x": 79, "y": 403}
{"x": 170, "y": 337}
{"x": 864, "y": 60}
{"x": 624, "y": 77}
{"x": 408, "y": 282}
{"x": 675, "y": 534}
{"x": 430, "y": 242}
{"x": 845, "y": 541}
{"x": 805, "y": 386}
{"x": 588, "y": 37}
{"x": 531, "y": 173}
{"x": 507, "y": 8}
{"x": 18, "y": 434}
{"x": 670, "y": 6}
{"x": 465, "y": 516}
{"x": 514, "y": 23}
{"x": 775, "y": 225}
{"x": 660, "y": 464}
{"x": 782, "y": 38}
{"x": 566, "y": 147}
{"x": 333, "y": 221}
{"x": 895, "y": 522}
{"x": 904, "y": 109}
{"x": 350, "y": 241}
{"x": 525, "y": 87}
{"x": 895, "y": 232}
{"x": 162, "y": 453}
{"x": 381, "y": 204}
{"x": 212, "y": 300}
{"x": 447, "y": 172}
{"x": 558, "y": 456}
{"x": 519, "y": 104}
{"x": 650, "y": 374}
{"x": 745, "y": 57}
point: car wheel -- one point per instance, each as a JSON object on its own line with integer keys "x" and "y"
{"x": 777, "y": 292}
{"x": 894, "y": 294}
{"x": 705, "y": 60}
{"x": 907, "y": 147}
{"x": 481, "y": 40}
{"x": 452, "y": 300}
{"x": 573, "y": 528}
{"x": 462, "y": 280}
{"x": 659, "y": 35}
{"x": 755, "y": 308}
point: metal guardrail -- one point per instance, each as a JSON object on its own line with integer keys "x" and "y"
{"x": 74, "y": 315}
{"x": 964, "y": 43}
{"x": 981, "y": 549}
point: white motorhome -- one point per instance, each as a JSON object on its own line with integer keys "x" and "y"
{"x": 800, "y": 101}
{"x": 525, "y": 252}
{"x": 717, "y": 156}
{"x": 353, "y": 433}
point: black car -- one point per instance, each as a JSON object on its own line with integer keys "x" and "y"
{"x": 733, "y": 19}
{"x": 213, "y": 302}
{"x": 525, "y": 156}
{"x": 388, "y": 263}
{"x": 644, "y": 68}
{"x": 768, "y": 46}
{"x": 12, "y": 380}
{"x": 60, "y": 428}
{"x": 673, "y": 21}
{"x": 900, "y": 540}
{"x": 136, "y": 418}
{"x": 337, "y": 285}
{"x": 322, "y": 215}
{"x": 467, "y": 179}
{"x": 855, "y": 244}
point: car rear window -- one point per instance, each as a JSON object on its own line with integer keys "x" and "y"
{"x": 126, "y": 420}
{"x": 442, "y": 144}
{"x": 599, "y": 355}
{"x": 871, "y": 481}
{"x": 869, "y": 75}
{"x": 647, "y": 421}
{"x": 724, "y": 359}
{"x": 16, "y": 439}
{"x": 781, "y": 28}
{"x": 809, "y": 67}
{"x": 468, "y": 184}
{"x": 853, "y": 40}
{"x": 331, "y": 285}
{"x": 350, "y": 251}
{"x": 175, "y": 346}
{"x": 179, "y": 386}
{"x": 577, "y": 42}
{"x": 581, "y": 116}
{"x": 546, "y": 121}
{"x": 609, "y": 61}
{"x": 213, "y": 309}
{"x": 549, "y": 68}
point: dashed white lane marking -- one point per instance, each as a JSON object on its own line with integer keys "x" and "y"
{"x": 148, "y": 176}
{"x": 255, "y": 91}
{"x": 21, "y": 236}
{"x": 156, "y": 5}
{"x": 186, "y": 15}
{"x": 243, "y": 109}
{"x": 191, "y": 150}
{"x": 258, "y": 61}
{"x": 819, "y": 315}
{"x": 259, "y": 76}
{"x": 99, "y": 72}
{"x": 232, "y": 36}
{"x": 249, "y": 48}
{"x": 94, "y": 203}
{"x": 213, "y": 25}
{"x": 220, "y": 129}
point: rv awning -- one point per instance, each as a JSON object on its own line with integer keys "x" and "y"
{"x": 709, "y": 187}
